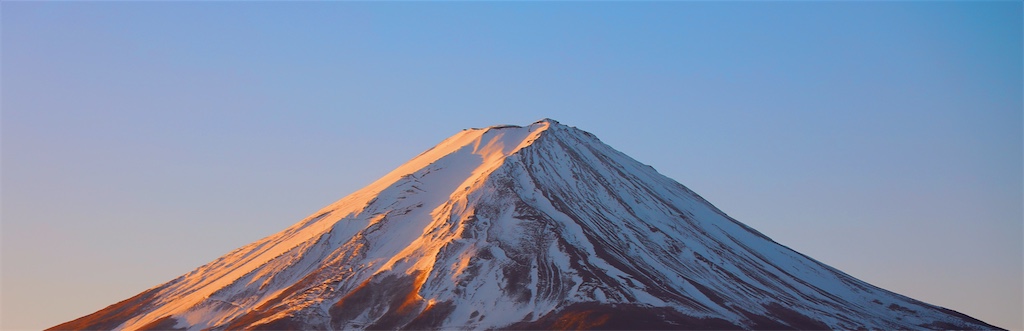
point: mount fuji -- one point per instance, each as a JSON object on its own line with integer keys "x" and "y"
{"x": 519, "y": 227}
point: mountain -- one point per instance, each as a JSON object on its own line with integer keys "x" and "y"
{"x": 508, "y": 227}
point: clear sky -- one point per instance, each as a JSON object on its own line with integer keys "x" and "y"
{"x": 142, "y": 140}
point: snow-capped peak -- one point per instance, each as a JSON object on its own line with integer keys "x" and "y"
{"x": 538, "y": 227}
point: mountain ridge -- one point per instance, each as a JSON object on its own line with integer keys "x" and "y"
{"x": 539, "y": 226}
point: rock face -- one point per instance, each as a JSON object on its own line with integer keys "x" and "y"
{"x": 508, "y": 227}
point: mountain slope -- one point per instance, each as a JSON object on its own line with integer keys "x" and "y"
{"x": 532, "y": 227}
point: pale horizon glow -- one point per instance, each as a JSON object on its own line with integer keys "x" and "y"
{"x": 142, "y": 140}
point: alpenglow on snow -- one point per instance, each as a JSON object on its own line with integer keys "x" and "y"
{"x": 508, "y": 227}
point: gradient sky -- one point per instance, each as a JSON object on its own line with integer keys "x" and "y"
{"x": 142, "y": 140}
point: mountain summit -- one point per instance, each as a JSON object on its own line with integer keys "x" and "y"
{"x": 508, "y": 227}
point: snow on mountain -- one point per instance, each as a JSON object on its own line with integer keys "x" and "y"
{"x": 535, "y": 227}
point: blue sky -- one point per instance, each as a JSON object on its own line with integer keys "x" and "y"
{"x": 141, "y": 140}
